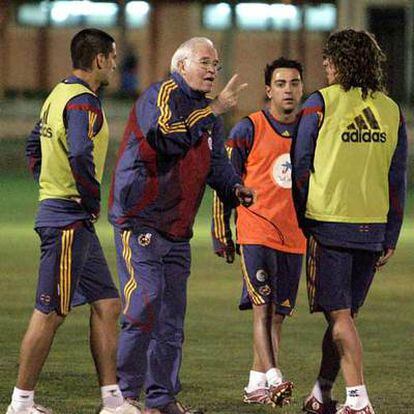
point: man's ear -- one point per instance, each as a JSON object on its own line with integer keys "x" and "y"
{"x": 181, "y": 67}
{"x": 268, "y": 91}
{"x": 100, "y": 60}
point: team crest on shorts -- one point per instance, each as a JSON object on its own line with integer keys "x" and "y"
{"x": 144, "y": 239}
{"x": 44, "y": 298}
{"x": 261, "y": 275}
{"x": 264, "y": 290}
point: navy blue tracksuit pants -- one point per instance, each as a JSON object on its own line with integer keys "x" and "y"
{"x": 153, "y": 273}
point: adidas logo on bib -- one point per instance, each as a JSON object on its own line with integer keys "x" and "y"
{"x": 365, "y": 128}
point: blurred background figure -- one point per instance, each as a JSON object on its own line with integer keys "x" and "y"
{"x": 129, "y": 72}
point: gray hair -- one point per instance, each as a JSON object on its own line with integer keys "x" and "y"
{"x": 186, "y": 49}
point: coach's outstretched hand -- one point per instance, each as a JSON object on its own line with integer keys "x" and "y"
{"x": 228, "y": 97}
{"x": 245, "y": 195}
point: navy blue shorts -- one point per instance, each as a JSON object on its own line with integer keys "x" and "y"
{"x": 269, "y": 276}
{"x": 72, "y": 270}
{"x": 337, "y": 277}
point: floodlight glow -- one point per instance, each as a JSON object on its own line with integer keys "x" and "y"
{"x": 138, "y": 8}
{"x": 253, "y": 11}
{"x": 283, "y": 11}
{"x": 223, "y": 9}
{"x": 253, "y": 15}
{"x": 137, "y": 13}
{"x": 322, "y": 17}
{"x": 217, "y": 16}
{"x": 33, "y": 15}
{"x": 62, "y": 10}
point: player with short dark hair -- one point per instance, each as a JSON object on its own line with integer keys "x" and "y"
{"x": 172, "y": 147}
{"x": 84, "y": 45}
{"x": 271, "y": 243}
{"x": 281, "y": 63}
{"x": 349, "y": 165}
{"x": 66, "y": 153}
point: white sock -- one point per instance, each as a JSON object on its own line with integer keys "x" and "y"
{"x": 111, "y": 396}
{"x": 256, "y": 380}
{"x": 274, "y": 376}
{"x": 322, "y": 390}
{"x": 357, "y": 397}
{"x": 22, "y": 399}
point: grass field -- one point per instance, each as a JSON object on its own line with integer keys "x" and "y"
{"x": 217, "y": 350}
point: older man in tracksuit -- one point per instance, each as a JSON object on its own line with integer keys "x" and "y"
{"x": 172, "y": 146}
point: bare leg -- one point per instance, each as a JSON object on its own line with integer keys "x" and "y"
{"x": 330, "y": 362}
{"x": 35, "y": 347}
{"x": 261, "y": 338}
{"x": 257, "y": 365}
{"x": 346, "y": 339}
{"x": 104, "y": 338}
{"x": 276, "y": 332}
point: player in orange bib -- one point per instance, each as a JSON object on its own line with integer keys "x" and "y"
{"x": 271, "y": 243}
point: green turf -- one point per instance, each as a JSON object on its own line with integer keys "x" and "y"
{"x": 217, "y": 350}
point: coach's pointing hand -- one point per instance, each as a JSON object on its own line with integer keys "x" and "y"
{"x": 228, "y": 97}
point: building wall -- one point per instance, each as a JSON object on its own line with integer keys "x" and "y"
{"x": 353, "y": 12}
{"x": 245, "y": 52}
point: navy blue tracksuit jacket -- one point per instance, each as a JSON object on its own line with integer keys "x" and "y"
{"x": 172, "y": 146}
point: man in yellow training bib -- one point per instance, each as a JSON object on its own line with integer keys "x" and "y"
{"x": 66, "y": 152}
{"x": 349, "y": 182}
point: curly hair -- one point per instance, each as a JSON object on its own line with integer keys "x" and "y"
{"x": 358, "y": 60}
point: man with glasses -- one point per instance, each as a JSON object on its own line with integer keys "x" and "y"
{"x": 172, "y": 147}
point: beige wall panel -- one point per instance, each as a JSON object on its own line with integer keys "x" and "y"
{"x": 22, "y": 58}
{"x": 252, "y": 51}
{"x": 314, "y": 73}
{"x": 60, "y": 64}
{"x": 179, "y": 22}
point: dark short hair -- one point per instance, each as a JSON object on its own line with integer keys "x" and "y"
{"x": 281, "y": 63}
{"x": 87, "y": 44}
{"x": 358, "y": 60}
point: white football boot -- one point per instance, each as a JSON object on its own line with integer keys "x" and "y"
{"x": 125, "y": 408}
{"x": 34, "y": 409}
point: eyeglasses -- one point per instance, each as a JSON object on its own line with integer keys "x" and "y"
{"x": 206, "y": 64}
